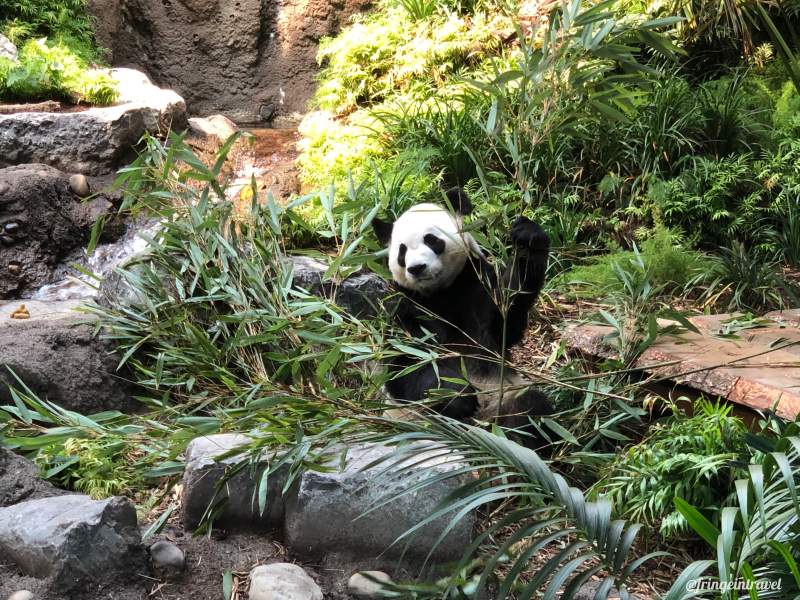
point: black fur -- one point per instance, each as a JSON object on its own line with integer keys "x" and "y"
{"x": 465, "y": 319}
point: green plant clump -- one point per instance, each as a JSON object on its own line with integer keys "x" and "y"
{"x": 669, "y": 266}
{"x": 47, "y": 70}
{"x": 692, "y": 458}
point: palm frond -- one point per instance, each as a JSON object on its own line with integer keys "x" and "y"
{"x": 579, "y": 537}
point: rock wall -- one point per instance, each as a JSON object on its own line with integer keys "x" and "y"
{"x": 251, "y": 60}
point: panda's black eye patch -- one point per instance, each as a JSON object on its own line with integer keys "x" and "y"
{"x": 434, "y": 243}
{"x": 401, "y": 256}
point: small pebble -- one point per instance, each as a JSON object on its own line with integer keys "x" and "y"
{"x": 79, "y": 184}
{"x": 361, "y": 585}
{"x": 167, "y": 558}
{"x": 7, "y": 240}
{"x": 21, "y": 595}
{"x": 284, "y": 581}
{"x": 11, "y": 227}
{"x": 14, "y": 269}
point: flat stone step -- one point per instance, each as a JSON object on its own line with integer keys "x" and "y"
{"x": 755, "y": 367}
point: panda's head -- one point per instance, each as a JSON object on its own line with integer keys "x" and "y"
{"x": 427, "y": 247}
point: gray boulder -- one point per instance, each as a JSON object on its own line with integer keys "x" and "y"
{"x": 57, "y": 355}
{"x": 97, "y": 140}
{"x": 20, "y": 480}
{"x": 327, "y": 513}
{"x": 7, "y": 48}
{"x": 360, "y": 294}
{"x": 282, "y": 581}
{"x": 217, "y": 128}
{"x": 237, "y": 498}
{"x": 71, "y": 540}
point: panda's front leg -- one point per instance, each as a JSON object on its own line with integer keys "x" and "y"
{"x": 459, "y": 401}
{"x": 526, "y": 274}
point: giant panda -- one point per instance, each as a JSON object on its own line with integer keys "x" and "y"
{"x": 447, "y": 287}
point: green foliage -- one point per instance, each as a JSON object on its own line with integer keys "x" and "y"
{"x": 692, "y": 458}
{"x": 743, "y": 278}
{"x": 668, "y": 265}
{"x": 388, "y": 53}
{"x": 580, "y": 536}
{"x": 713, "y": 201}
{"x": 100, "y": 467}
{"x": 52, "y": 71}
{"x": 65, "y": 21}
{"x": 757, "y": 539}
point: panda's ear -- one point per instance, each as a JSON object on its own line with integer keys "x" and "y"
{"x": 383, "y": 230}
{"x": 459, "y": 201}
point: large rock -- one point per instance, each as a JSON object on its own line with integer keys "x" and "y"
{"x": 238, "y": 495}
{"x": 327, "y": 512}
{"x": 97, "y": 140}
{"x": 20, "y": 480}
{"x": 41, "y": 222}
{"x": 71, "y": 540}
{"x": 7, "y": 48}
{"x": 251, "y": 60}
{"x": 360, "y": 294}
{"x": 57, "y": 355}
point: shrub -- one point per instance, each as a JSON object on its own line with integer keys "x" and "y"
{"x": 388, "y": 53}
{"x": 64, "y": 21}
{"x": 669, "y": 266}
{"x": 712, "y": 202}
{"x": 692, "y": 458}
{"x": 52, "y": 71}
{"x": 743, "y": 278}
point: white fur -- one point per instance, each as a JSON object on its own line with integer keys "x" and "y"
{"x": 442, "y": 269}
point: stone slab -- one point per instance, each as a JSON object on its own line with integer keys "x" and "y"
{"x": 758, "y": 368}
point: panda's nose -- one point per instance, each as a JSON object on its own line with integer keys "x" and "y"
{"x": 416, "y": 270}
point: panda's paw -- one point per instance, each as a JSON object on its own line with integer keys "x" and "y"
{"x": 527, "y": 234}
{"x": 460, "y": 408}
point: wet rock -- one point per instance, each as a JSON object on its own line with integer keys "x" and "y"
{"x": 79, "y": 184}
{"x": 282, "y": 581}
{"x": 57, "y": 355}
{"x": 168, "y": 559}
{"x": 236, "y": 58}
{"x": 338, "y": 512}
{"x": 360, "y": 294}
{"x": 205, "y": 469}
{"x": 7, "y": 48}
{"x": 43, "y": 221}
{"x": 367, "y": 584}
{"x": 22, "y": 595}
{"x": 20, "y": 480}
{"x": 97, "y": 140}
{"x": 71, "y": 540}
